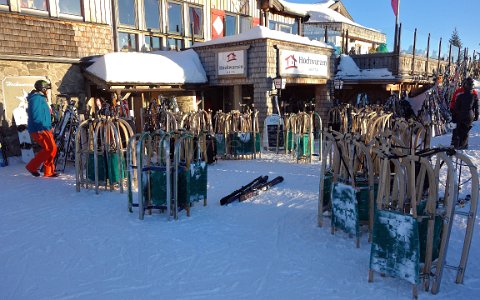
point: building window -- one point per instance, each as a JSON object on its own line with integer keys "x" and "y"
{"x": 295, "y": 28}
{"x": 152, "y": 14}
{"x": 175, "y": 24}
{"x": 153, "y": 43}
{"x": 245, "y": 23}
{"x": 285, "y": 28}
{"x": 174, "y": 44}
{"x": 70, "y": 7}
{"x": 230, "y": 25}
{"x": 272, "y": 25}
{"x": 196, "y": 20}
{"x": 127, "y": 42}
{"x": 126, "y": 12}
{"x": 3, "y": 2}
{"x": 34, "y": 4}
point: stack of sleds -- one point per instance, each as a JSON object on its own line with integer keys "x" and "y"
{"x": 391, "y": 179}
{"x": 100, "y": 153}
{"x": 301, "y": 131}
{"x": 168, "y": 165}
{"x": 237, "y": 135}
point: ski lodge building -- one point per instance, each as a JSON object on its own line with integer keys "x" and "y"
{"x": 243, "y": 45}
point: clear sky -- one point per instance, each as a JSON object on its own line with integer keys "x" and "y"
{"x": 437, "y": 17}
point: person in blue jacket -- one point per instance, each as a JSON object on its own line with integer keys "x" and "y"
{"x": 40, "y": 128}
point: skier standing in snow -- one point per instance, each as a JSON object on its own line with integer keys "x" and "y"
{"x": 40, "y": 128}
{"x": 465, "y": 111}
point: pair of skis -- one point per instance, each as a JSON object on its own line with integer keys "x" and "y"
{"x": 251, "y": 189}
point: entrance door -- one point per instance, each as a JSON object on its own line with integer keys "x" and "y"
{"x": 294, "y": 98}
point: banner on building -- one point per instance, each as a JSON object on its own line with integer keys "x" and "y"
{"x": 301, "y": 63}
{"x": 231, "y": 63}
{"x": 15, "y": 91}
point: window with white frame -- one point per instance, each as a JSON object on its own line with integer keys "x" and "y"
{"x": 3, "y": 2}
{"x": 272, "y": 25}
{"x": 126, "y": 12}
{"x": 245, "y": 23}
{"x": 34, "y": 4}
{"x": 285, "y": 28}
{"x": 70, "y": 7}
{"x": 230, "y": 25}
{"x": 152, "y": 14}
{"x": 175, "y": 20}
{"x": 195, "y": 15}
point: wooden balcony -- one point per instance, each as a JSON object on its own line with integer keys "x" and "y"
{"x": 404, "y": 67}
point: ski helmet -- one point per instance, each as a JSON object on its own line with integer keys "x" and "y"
{"x": 41, "y": 85}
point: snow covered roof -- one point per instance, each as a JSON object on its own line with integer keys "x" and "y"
{"x": 348, "y": 69}
{"x": 261, "y": 32}
{"x": 320, "y": 12}
{"x": 160, "y": 67}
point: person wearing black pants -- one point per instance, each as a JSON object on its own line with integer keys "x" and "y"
{"x": 465, "y": 112}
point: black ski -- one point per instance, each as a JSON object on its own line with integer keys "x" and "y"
{"x": 235, "y": 195}
{"x": 262, "y": 187}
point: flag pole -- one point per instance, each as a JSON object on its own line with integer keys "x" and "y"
{"x": 397, "y": 33}
{"x": 396, "y": 11}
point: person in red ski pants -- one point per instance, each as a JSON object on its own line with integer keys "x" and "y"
{"x": 40, "y": 128}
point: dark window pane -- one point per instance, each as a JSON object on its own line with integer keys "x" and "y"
{"x": 3, "y": 2}
{"x": 174, "y": 44}
{"x": 152, "y": 15}
{"x": 196, "y": 20}
{"x": 175, "y": 24}
{"x": 156, "y": 43}
{"x": 71, "y": 7}
{"x": 34, "y": 4}
{"x": 126, "y": 12}
{"x": 230, "y": 25}
{"x": 127, "y": 41}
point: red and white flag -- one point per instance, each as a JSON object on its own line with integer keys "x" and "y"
{"x": 395, "y": 7}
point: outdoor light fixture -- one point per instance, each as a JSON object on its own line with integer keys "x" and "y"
{"x": 279, "y": 82}
{"x": 338, "y": 83}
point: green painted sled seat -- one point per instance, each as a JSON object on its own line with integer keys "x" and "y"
{"x": 106, "y": 170}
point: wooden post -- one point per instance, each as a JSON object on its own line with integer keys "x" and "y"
{"x": 439, "y": 53}
{"x": 414, "y": 46}
{"x": 428, "y": 55}
{"x": 193, "y": 33}
{"x": 346, "y": 43}
{"x": 325, "y": 37}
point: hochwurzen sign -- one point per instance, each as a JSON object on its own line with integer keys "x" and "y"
{"x": 302, "y": 63}
{"x": 231, "y": 63}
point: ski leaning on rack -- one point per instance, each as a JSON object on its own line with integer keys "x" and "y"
{"x": 261, "y": 187}
{"x": 235, "y": 195}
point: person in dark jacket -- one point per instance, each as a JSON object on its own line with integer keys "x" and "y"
{"x": 40, "y": 128}
{"x": 464, "y": 112}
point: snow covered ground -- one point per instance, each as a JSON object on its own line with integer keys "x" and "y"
{"x": 56, "y": 243}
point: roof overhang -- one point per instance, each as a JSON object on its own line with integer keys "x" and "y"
{"x": 140, "y": 87}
